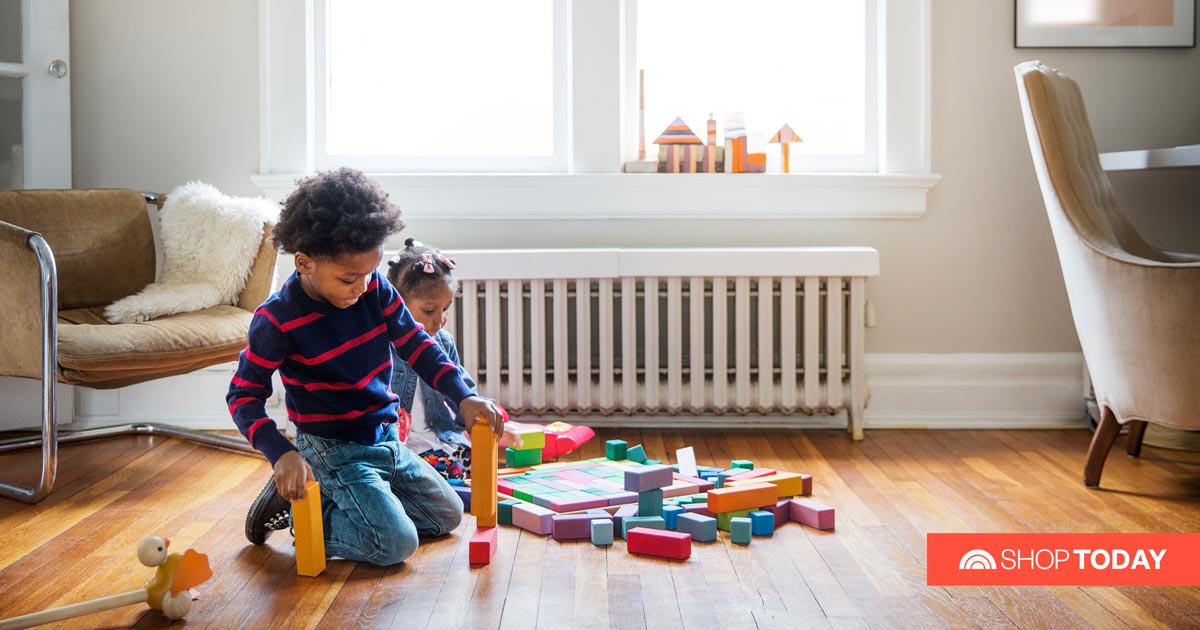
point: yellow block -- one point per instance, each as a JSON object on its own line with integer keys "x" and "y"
{"x": 788, "y": 484}
{"x": 310, "y": 532}
{"x": 483, "y": 475}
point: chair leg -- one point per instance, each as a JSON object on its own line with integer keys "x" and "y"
{"x": 1137, "y": 430}
{"x": 1102, "y": 441}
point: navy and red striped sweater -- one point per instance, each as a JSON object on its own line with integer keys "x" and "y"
{"x": 336, "y": 366}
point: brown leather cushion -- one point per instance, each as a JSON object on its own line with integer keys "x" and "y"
{"x": 100, "y": 355}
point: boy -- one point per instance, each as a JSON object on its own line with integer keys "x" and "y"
{"x": 329, "y": 331}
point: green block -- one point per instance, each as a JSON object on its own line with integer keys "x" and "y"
{"x": 742, "y": 463}
{"x": 651, "y": 462}
{"x": 514, "y": 458}
{"x": 636, "y": 453}
{"x": 724, "y": 519}
{"x": 504, "y": 511}
{"x": 652, "y": 522}
{"x": 739, "y": 531}
{"x": 531, "y": 439}
{"x": 650, "y": 502}
{"x": 523, "y": 495}
{"x": 615, "y": 449}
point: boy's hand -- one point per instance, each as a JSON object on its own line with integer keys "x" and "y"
{"x": 291, "y": 475}
{"x": 483, "y": 411}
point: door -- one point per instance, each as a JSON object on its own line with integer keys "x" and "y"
{"x": 35, "y": 94}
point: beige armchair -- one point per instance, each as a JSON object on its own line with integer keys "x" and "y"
{"x": 1136, "y": 307}
{"x": 69, "y": 253}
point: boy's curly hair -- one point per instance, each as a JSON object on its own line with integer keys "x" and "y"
{"x": 334, "y": 213}
{"x": 418, "y": 268}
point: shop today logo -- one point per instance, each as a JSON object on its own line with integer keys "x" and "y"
{"x": 1062, "y": 559}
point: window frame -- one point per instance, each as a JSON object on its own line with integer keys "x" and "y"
{"x": 602, "y": 126}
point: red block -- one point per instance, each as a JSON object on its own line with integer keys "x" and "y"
{"x": 482, "y": 546}
{"x": 812, "y": 513}
{"x": 657, "y": 542}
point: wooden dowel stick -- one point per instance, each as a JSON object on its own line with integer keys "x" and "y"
{"x": 74, "y": 610}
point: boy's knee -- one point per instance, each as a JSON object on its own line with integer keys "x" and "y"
{"x": 453, "y": 517}
{"x": 395, "y": 549}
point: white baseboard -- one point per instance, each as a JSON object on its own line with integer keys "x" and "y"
{"x": 943, "y": 391}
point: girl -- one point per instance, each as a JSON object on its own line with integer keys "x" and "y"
{"x": 425, "y": 280}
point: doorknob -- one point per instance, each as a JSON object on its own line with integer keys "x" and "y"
{"x": 57, "y": 69}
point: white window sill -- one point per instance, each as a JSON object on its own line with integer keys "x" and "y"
{"x": 646, "y": 196}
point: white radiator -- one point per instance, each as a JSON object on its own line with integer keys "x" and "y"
{"x": 656, "y": 332}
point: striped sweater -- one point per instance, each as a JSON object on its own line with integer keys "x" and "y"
{"x": 336, "y": 366}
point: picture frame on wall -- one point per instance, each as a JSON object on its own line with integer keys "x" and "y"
{"x": 1105, "y": 24}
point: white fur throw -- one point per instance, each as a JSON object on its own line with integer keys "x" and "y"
{"x": 209, "y": 241}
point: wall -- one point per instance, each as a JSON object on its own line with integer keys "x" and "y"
{"x": 164, "y": 92}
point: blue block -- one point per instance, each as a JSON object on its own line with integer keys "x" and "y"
{"x": 762, "y": 523}
{"x": 652, "y": 522}
{"x": 636, "y": 454}
{"x": 650, "y": 502}
{"x": 652, "y": 462}
{"x": 717, "y": 480}
{"x": 701, "y": 470}
{"x": 702, "y": 528}
{"x": 671, "y": 512}
{"x": 464, "y": 494}
{"x": 740, "y": 530}
{"x": 602, "y": 532}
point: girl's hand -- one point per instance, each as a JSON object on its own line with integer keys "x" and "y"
{"x": 483, "y": 411}
{"x": 291, "y": 475}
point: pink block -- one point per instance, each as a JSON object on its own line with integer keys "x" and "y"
{"x": 680, "y": 489}
{"x": 699, "y": 508}
{"x": 657, "y": 542}
{"x": 482, "y": 546}
{"x": 505, "y": 487}
{"x": 812, "y": 513}
{"x": 701, "y": 485}
{"x": 572, "y": 504}
{"x": 752, "y": 474}
{"x": 557, "y": 485}
{"x": 534, "y": 518}
{"x": 574, "y": 526}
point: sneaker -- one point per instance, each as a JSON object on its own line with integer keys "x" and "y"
{"x": 270, "y": 512}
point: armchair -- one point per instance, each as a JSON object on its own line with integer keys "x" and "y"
{"x": 69, "y": 253}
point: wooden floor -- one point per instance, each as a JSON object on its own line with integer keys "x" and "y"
{"x": 889, "y": 491}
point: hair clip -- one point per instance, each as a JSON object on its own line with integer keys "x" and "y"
{"x": 426, "y": 263}
{"x": 446, "y": 262}
{"x": 395, "y": 261}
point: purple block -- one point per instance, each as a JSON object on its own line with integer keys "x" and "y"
{"x": 649, "y": 478}
{"x": 573, "y": 504}
{"x": 621, "y": 497}
{"x": 628, "y": 510}
{"x": 699, "y": 508}
{"x": 811, "y": 513}
{"x": 782, "y": 511}
{"x": 534, "y": 518}
{"x": 574, "y": 526}
{"x": 464, "y": 495}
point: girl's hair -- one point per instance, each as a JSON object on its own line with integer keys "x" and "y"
{"x": 418, "y": 268}
{"x": 334, "y": 213}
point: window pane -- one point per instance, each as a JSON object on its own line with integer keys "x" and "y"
{"x": 465, "y": 78}
{"x": 11, "y": 142}
{"x": 10, "y": 31}
{"x": 802, "y": 63}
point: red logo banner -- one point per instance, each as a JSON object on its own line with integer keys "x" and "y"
{"x": 1063, "y": 559}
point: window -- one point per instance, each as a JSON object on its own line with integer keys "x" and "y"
{"x": 539, "y": 123}
{"x": 810, "y": 65}
{"x": 472, "y": 85}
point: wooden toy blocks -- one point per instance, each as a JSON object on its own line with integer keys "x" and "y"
{"x": 762, "y": 523}
{"x": 504, "y": 511}
{"x": 649, "y": 522}
{"x": 310, "y": 531}
{"x": 663, "y": 544}
{"x": 670, "y": 514}
{"x": 701, "y": 528}
{"x": 514, "y": 458}
{"x": 748, "y": 497}
{"x": 602, "y": 532}
{"x": 811, "y": 513}
{"x": 648, "y": 478}
{"x": 482, "y": 546}
{"x": 483, "y": 475}
{"x": 615, "y": 449}
{"x": 742, "y": 463}
{"x": 534, "y": 518}
{"x": 789, "y": 484}
{"x": 650, "y": 502}
{"x": 740, "y": 530}
{"x": 636, "y": 454}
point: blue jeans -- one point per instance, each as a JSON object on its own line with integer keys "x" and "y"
{"x": 376, "y": 499}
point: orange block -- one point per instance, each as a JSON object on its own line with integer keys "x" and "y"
{"x": 747, "y": 497}
{"x": 483, "y": 475}
{"x": 789, "y": 484}
{"x": 310, "y": 531}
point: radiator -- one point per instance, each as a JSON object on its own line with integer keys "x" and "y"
{"x": 666, "y": 332}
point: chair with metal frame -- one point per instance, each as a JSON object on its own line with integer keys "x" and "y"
{"x": 78, "y": 251}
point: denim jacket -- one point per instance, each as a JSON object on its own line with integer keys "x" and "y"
{"x": 441, "y": 414}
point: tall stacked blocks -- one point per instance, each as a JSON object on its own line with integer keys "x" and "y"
{"x": 529, "y": 453}
{"x": 483, "y": 475}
